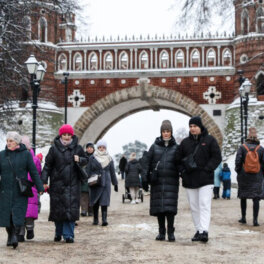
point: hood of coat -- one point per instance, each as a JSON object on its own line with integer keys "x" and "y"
{"x": 226, "y": 169}
{"x": 204, "y": 133}
{"x": 161, "y": 142}
{"x": 61, "y": 147}
{"x": 252, "y": 141}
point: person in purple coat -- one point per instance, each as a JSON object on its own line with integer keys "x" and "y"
{"x": 32, "y": 209}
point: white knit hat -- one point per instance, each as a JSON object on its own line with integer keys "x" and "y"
{"x": 14, "y": 135}
{"x": 101, "y": 143}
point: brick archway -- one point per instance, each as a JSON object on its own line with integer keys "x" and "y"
{"x": 106, "y": 112}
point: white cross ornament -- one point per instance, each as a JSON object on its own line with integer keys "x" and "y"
{"x": 212, "y": 95}
{"x": 76, "y": 98}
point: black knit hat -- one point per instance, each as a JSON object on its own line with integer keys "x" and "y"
{"x": 196, "y": 120}
{"x": 166, "y": 125}
{"x": 90, "y": 144}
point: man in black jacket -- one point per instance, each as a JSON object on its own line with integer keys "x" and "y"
{"x": 122, "y": 166}
{"x": 199, "y": 179}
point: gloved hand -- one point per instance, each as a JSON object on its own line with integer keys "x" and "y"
{"x": 116, "y": 188}
{"x": 145, "y": 186}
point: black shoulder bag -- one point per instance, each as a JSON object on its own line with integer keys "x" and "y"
{"x": 189, "y": 162}
{"x": 25, "y": 186}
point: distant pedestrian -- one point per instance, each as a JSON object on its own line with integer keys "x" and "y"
{"x": 122, "y": 166}
{"x": 217, "y": 181}
{"x": 199, "y": 155}
{"x": 133, "y": 170}
{"x": 86, "y": 207}
{"x": 32, "y": 207}
{"x": 250, "y": 180}
{"x": 101, "y": 163}
{"x": 61, "y": 171}
{"x": 226, "y": 179}
{"x": 15, "y": 162}
{"x": 160, "y": 171}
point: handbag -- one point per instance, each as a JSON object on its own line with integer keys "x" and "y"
{"x": 25, "y": 186}
{"x": 94, "y": 180}
{"x": 189, "y": 163}
{"x": 83, "y": 176}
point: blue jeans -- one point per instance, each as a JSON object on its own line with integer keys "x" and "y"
{"x": 65, "y": 229}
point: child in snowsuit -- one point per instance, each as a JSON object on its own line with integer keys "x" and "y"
{"x": 225, "y": 177}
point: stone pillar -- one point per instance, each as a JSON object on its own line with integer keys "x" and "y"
{"x": 156, "y": 58}
{"x": 131, "y": 59}
{"x": 85, "y": 60}
{"x": 70, "y": 60}
{"x": 187, "y": 57}
{"x": 115, "y": 59}
{"x": 171, "y": 58}
{"x": 203, "y": 56}
{"x": 100, "y": 60}
{"x": 136, "y": 59}
{"x": 151, "y": 58}
{"x": 219, "y": 55}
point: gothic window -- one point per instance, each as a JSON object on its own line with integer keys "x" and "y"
{"x": 260, "y": 84}
{"x": 123, "y": 61}
{"x": 77, "y": 62}
{"x": 195, "y": 58}
{"x": 108, "y": 61}
{"x": 260, "y": 20}
{"x": 227, "y": 57}
{"x": 27, "y": 25}
{"x": 93, "y": 62}
{"x": 62, "y": 62}
{"x": 43, "y": 29}
{"x": 211, "y": 58}
{"x": 244, "y": 22}
{"x": 144, "y": 60}
{"x": 179, "y": 61}
{"x": 164, "y": 59}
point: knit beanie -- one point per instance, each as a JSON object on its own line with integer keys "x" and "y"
{"x": 66, "y": 129}
{"x": 26, "y": 141}
{"x": 40, "y": 156}
{"x": 166, "y": 125}
{"x": 101, "y": 143}
{"x": 196, "y": 120}
{"x": 90, "y": 144}
{"x": 14, "y": 135}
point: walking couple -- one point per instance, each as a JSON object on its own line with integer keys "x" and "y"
{"x": 195, "y": 160}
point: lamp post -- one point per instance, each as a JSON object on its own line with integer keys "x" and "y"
{"x": 241, "y": 80}
{"x": 65, "y": 81}
{"x": 37, "y": 73}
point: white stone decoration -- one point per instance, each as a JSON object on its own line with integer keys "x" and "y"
{"x": 212, "y": 79}
{"x": 92, "y": 82}
{"x": 108, "y": 81}
{"x": 195, "y": 79}
{"x": 163, "y": 80}
{"x": 77, "y": 82}
{"x": 228, "y": 78}
{"x": 212, "y": 95}
{"x": 179, "y": 80}
{"x": 243, "y": 58}
{"x": 123, "y": 81}
{"x": 76, "y": 98}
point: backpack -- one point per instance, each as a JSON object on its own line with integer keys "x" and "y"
{"x": 251, "y": 163}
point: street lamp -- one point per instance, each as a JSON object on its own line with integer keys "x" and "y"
{"x": 241, "y": 80}
{"x": 37, "y": 73}
{"x": 65, "y": 81}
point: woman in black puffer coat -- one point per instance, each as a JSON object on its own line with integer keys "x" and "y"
{"x": 133, "y": 169}
{"x": 161, "y": 173}
{"x": 250, "y": 185}
{"x": 65, "y": 182}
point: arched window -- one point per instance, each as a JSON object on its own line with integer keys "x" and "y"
{"x": 244, "y": 22}
{"x": 93, "y": 62}
{"x": 195, "y": 58}
{"x": 260, "y": 84}
{"x": 68, "y": 34}
{"x": 144, "y": 60}
{"x": 108, "y": 61}
{"x": 77, "y": 62}
{"x": 62, "y": 62}
{"x": 43, "y": 29}
{"x": 227, "y": 58}
{"x": 123, "y": 61}
{"x": 260, "y": 20}
{"x": 164, "y": 59}
{"x": 27, "y": 25}
{"x": 179, "y": 59}
{"x": 211, "y": 58}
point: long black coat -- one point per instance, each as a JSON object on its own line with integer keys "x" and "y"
{"x": 65, "y": 180}
{"x": 133, "y": 169}
{"x": 164, "y": 190}
{"x": 250, "y": 185}
{"x": 208, "y": 157}
{"x": 122, "y": 164}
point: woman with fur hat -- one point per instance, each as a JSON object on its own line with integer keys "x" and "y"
{"x": 250, "y": 184}
{"x": 64, "y": 178}
{"x": 15, "y": 162}
{"x": 132, "y": 181}
{"x": 100, "y": 163}
{"x": 160, "y": 171}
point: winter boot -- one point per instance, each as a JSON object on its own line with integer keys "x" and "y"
{"x": 171, "y": 236}
{"x": 30, "y": 234}
{"x": 204, "y": 237}
{"x": 9, "y": 231}
{"x": 90, "y": 211}
{"x": 14, "y": 240}
{"x": 95, "y": 215}
{"x": 242, "y": 220}
{"x": 196, "y": 237}
{"x": 161, "y": 235}
{"x": 104, "y": 216}
{"x": 255, "y": 212}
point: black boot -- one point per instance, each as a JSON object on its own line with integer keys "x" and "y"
{"x": 104, "y": 216}
{"x": 171, "y": 236}
{"x": 243, "y": 205}
{"x": 90, "y": 211}
{"x": 9, "y": 231}
{"x": 196, "y": 237}
{"x": 255, "y": 212}
{"x": 204, "y": 236}
{"x": 170, "y": 221}
{"x": 161, "y": 235}
{"x": 14, "y": 240}
{"x": 95, "y": 214}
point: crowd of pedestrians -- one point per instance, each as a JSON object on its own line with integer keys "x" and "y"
{"x": 76, "y": 179}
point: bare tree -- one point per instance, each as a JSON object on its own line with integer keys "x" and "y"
{"x": 180, "y": 134}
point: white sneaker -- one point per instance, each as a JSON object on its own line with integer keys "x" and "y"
{"x": 137, "y": 201}
{"x": 133, "y": 202}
